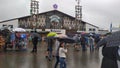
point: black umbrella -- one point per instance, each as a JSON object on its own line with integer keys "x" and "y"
{"x": 66, "y": 40}
{"x": 34, "y": 34}
{"x": 102, "y": 42}
{"x": 113, "y": 39}
{"x": 51, "y": 37}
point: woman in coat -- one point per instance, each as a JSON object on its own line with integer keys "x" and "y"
{"x": 109, "y": 55}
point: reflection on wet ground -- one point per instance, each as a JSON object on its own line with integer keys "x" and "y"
{"x": 25, "y": 59}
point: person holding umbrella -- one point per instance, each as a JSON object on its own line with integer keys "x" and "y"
{"x": 34, "y": 41}
{"x": 50, "y": 42}
{"x": 62, "y": 55}
{"x": 83, "y": 43}
{"x": 57, "y": 43}
{"x": 50, "y": 49}
{"x": 109, "y": 54}
{"x": 91, "y": 43}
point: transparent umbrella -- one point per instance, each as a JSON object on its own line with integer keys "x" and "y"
{"x": 19, "y": 30}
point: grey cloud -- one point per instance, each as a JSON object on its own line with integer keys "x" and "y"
{"x": 13, "y": 9}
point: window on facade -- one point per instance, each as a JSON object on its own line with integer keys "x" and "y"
{"x": 44, "y": 16}
{"x": 40, "y": 16}
{"x": 93, "y": 29}
{"x": 68, "y": 23}
{"x": 84, "y": 29}
{"x": 90, "y": 29}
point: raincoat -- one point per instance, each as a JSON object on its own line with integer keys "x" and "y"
{"x": 109, "y": 57}
{"x": 109, "y": 54}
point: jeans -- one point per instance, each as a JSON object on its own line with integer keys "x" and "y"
{"x": 34, "y": 47}
{"x": 83, "y": 47}
{"x": 57, "y": 61}
{"x": 91, "y": 47}
{"x": 50, "y": 55}
{"x": 62, "y": 62}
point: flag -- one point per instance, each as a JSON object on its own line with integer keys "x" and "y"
{"x": 111, "y": 27}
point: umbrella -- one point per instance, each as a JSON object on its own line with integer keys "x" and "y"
{"x": 66, "y": 40}
{"x": 51, "y": 34}
{"x": 101, "y": 42}
{"x": 62, "y": 36}
{"x": 52, "y": 37}
{"x": 23, "y": 36}
{"x": 19, "y": 30}
{"x": 113, "y": 39}
{"x": 34, "y": 34}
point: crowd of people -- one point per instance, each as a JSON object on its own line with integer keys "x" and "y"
{"x": 60, "y": 52}
{"x": 85, "y": 41}
{"x": 14, "y": 40}
{"x": 82, "y": 42}
{"x": 111, "y": 55}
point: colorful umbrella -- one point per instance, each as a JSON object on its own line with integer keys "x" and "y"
{"x": 62, "y": 36}
{"x": 51, "y": 34}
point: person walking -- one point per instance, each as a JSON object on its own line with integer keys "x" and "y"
{"x": 50, "y": 49}
{"x": 91, "y": 43}
{"x": 62, "y": 55}
{"x": 77, "y": 42}
{"x": 57, "y": 43}
{"x": 109, "y": 55}
{"x": 83, "y": 43}
{"x": 35, "y": 42}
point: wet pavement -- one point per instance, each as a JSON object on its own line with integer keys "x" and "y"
{"x": 26, "y": 59}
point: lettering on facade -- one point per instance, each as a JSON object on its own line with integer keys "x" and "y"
{"x": 56, "y": 30}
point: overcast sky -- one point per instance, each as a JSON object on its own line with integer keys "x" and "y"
{"x": 97, "y": 12}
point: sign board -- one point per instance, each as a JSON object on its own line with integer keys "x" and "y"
{"x": 62, "y": 31}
